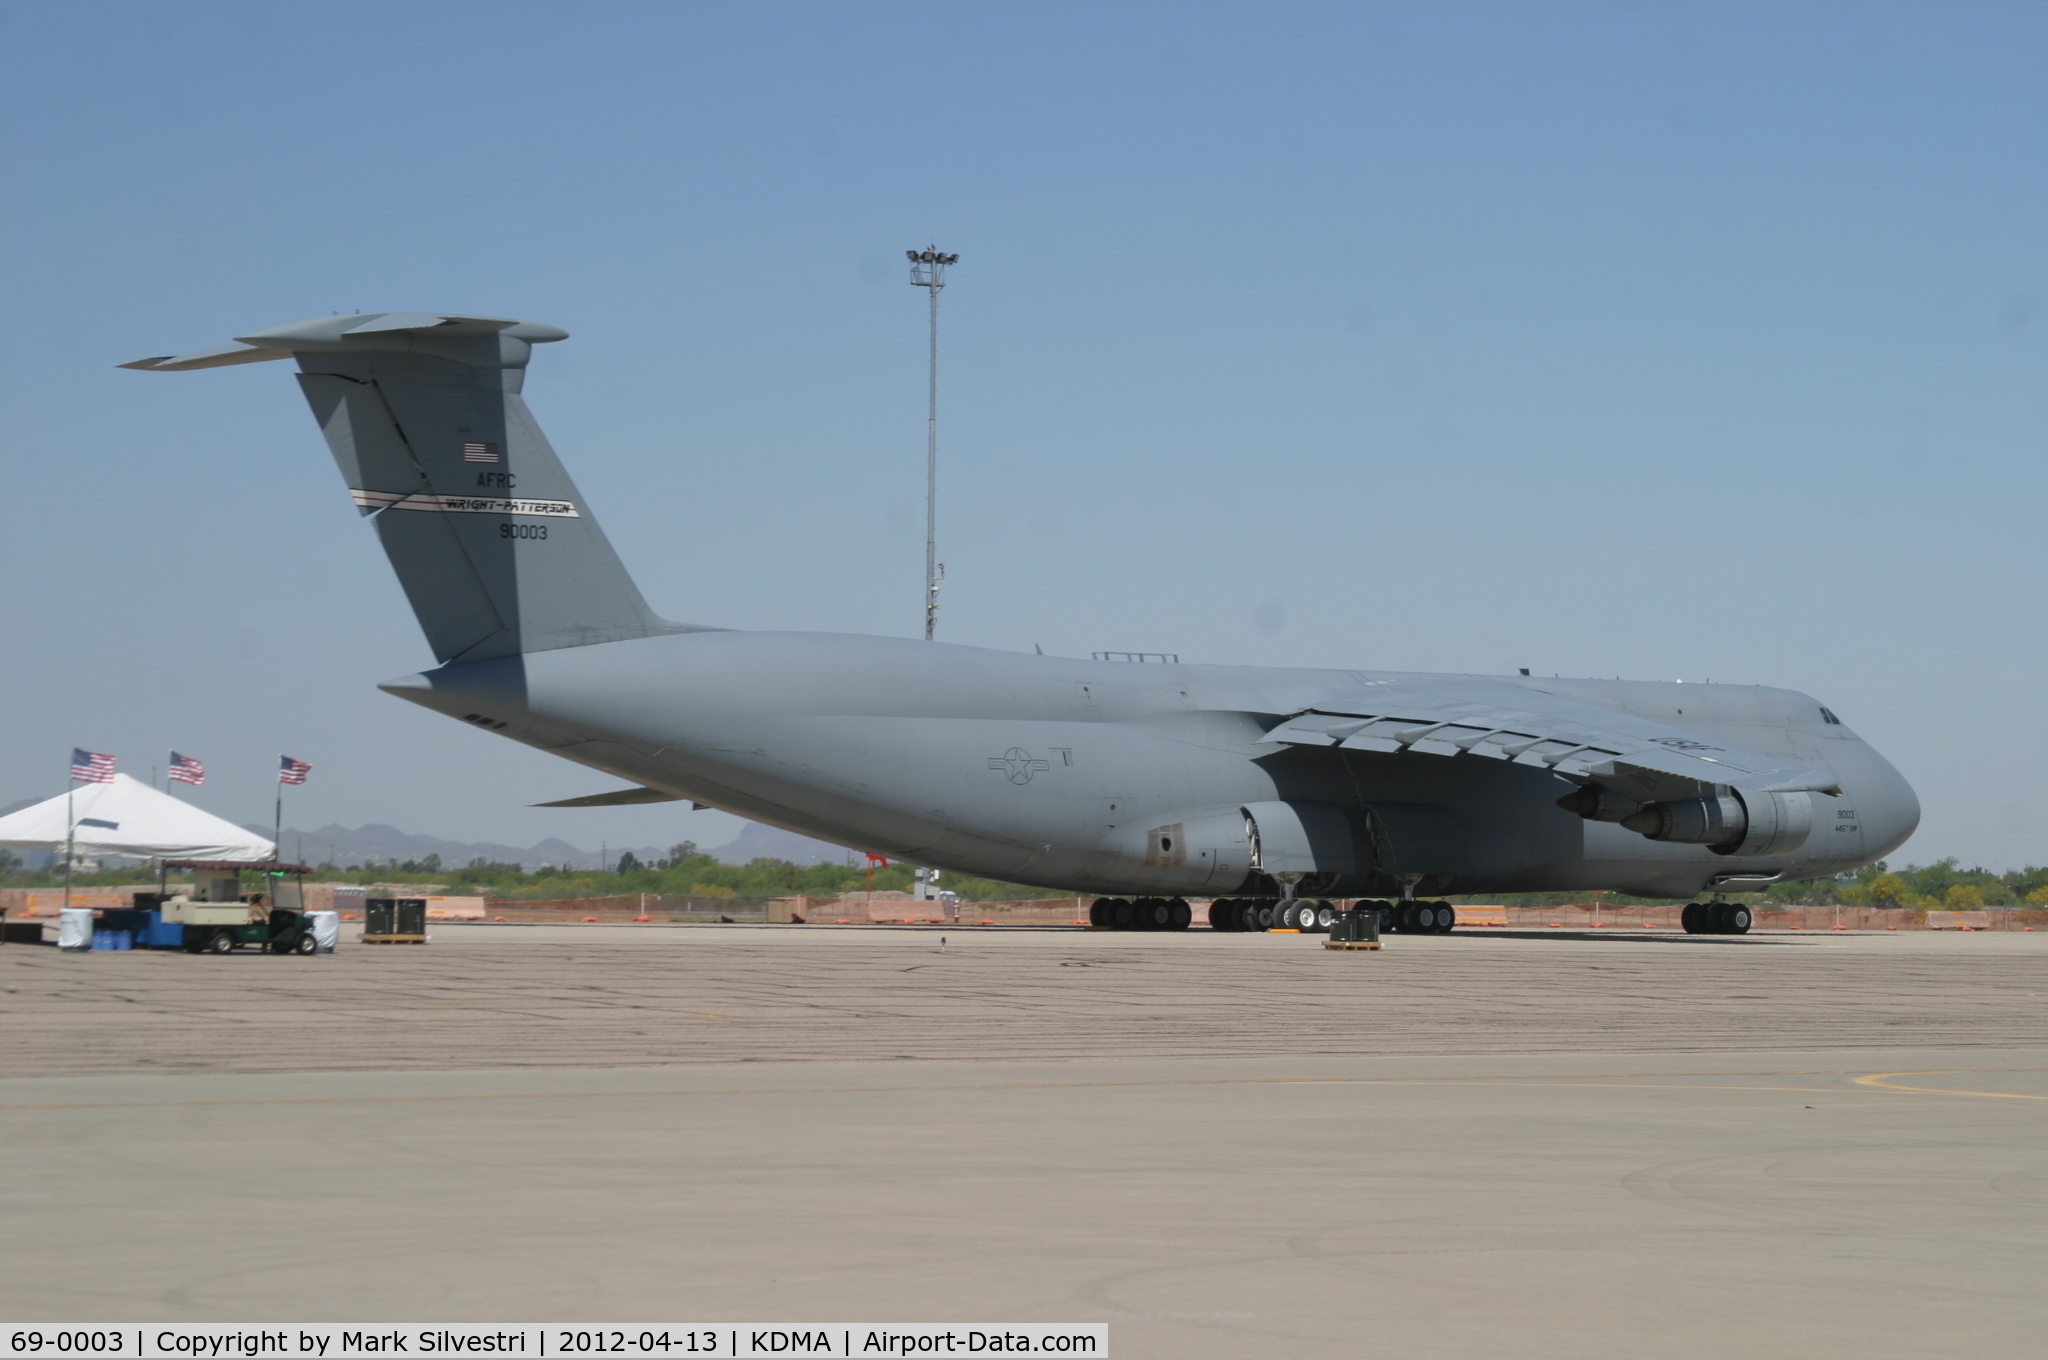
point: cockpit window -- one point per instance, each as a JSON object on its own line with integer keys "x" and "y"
{"x": 1827, "y": 716}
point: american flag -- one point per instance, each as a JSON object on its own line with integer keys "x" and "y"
{"x": 292, "y": 771}
{"x": 479, "y": 453}
{"x": 186, "y": 770}
{"x": 90, "y": 767}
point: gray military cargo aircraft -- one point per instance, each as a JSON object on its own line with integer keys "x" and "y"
{"x": 1263, "y": 786}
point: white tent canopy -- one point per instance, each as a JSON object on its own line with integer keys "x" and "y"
{"x": 128, "y": 817}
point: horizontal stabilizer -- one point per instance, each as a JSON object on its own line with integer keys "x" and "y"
{"x": 616, "y": 798}
{"x": 209, "y": 358}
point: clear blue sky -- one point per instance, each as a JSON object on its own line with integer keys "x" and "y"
{"x": 1661, "y": 341}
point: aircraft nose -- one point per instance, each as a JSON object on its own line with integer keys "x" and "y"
{"x": 1889, "y": 807}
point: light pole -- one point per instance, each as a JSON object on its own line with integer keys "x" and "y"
{"x": 928, "y": 270}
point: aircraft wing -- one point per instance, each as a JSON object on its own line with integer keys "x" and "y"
{"x": 1583, "y": 742}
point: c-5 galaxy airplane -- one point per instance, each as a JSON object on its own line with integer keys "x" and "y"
{"x": 1262, "y": 786}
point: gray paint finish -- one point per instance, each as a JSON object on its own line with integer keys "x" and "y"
{"x": 1043, "y": 770}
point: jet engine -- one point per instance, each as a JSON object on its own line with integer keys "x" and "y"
{"x": 1733, "y": 823}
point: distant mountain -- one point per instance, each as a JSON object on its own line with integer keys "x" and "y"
{"x": 376, "y": 841}
{"x": 756, "y": 841}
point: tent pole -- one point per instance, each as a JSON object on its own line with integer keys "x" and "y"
{"x": 70, "y": 831}
{"x": 277, "y": 826}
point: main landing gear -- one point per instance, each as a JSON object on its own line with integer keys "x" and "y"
{"x": 1140, "y": 913}
{"x": 1715, "y": 918}
{"x": 1414, "y": 918}
{"x": 1307, "y": 915}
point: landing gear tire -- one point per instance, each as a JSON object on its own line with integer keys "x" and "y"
{"x": 1155, "y": 913}
{"x": 1410, "y": 922}
{"x": 1446, "y": 918}
{"x": 1692, "y": 918}
{"x": 1738, "y": 920}
{"x": 1179, "y": 914}
{"x": 1123, "y": 915}
{"x": 1326, "y": 916}
{"x": 1265, "y": 915}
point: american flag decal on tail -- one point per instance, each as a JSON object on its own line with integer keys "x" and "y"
{"x": 473, "y": 452}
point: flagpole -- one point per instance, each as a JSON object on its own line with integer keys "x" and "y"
{"x": 70, "y": 831}
{"x": 277, "y": 823}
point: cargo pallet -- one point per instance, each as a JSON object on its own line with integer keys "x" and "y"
{"x": 394, "y": 939}
{"x": 1351, "y": 944}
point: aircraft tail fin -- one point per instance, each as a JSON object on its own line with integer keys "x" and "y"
{"x": 494, "y": 545}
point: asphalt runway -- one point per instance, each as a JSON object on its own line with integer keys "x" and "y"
{"x": 1221, "y": 1146}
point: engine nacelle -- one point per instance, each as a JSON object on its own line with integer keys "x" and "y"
{"x": 1733, "y": 823}
{"x": 1598, "y": 803}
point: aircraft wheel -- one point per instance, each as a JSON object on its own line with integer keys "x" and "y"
{"x": 1738, "y": 920}
{"x": 1097, "y": 912}
{"x": 1123, "y": 915}
{"x": 1446, "y": 918}
{"x": 1689, "y": 919}
{"x": 1265, "y": 915}
{"x": 1157, "y": 914}
{"x": 1409, "y": 918}
{"x": 1326, "y": 916}
{"x": 1181, "y": 915}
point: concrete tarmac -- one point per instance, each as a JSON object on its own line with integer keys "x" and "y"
{"x": 1456, "y": 1147}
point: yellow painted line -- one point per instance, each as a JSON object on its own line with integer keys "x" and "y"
{"x": 1878, "y": 1080}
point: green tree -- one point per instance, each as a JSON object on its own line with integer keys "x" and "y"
{"x": 1964, "y": 897}
{"x": 628, "y": 862}
{"x": 1888, "y": 890}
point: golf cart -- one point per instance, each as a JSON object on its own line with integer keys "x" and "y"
{"x": 217, "y": 917}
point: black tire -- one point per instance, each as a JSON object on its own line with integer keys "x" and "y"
{"x": 1155, "y": 914}
{"x": 1180, "y": 914}
{"x": 221, "y": 943}
{"x": 1689, "y": 919}
{"x": 1098, "y": 913}
{"x": 1326, "y": 916}
{"x": 1716, "y": 916}
{"x": 306, "y": 944}
{"x": 1267, "y": 910}
{"x": 1124, "y": 915}
{"x": 1411, "y": 919}
{"x": 1446, "y": 918}
{"x": 1738, "y": 920}
{"x": 1225, "y": 914}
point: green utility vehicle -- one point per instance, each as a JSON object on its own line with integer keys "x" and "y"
{"x": 217, "y": 917}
